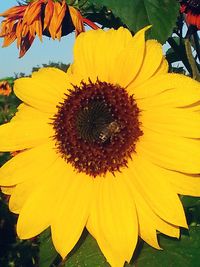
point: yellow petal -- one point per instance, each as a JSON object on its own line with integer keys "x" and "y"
{"x": 27, "y": 113}
{"x": 127, "y": 64}
{"x": 36, "y": 213}
{"x": 173, "y": 121}
{"x": 148, "y": 221}
{"x": 170, "y": 152}
{"x": 113, "y": 221}
{"x": 185, "y": 184}
{"x": 8, "y": 190}
{"x": 173, "y": 90}
{"x": 95, "y": 53}
{"x": 19, "y": 135}
{"x": 29, "y": 164}
{"x": 147, "y": 226}
{"x": 32, "y": 182}
{"x": 44, "y": 90}
{"x": 157, "y": 191}
{"x": 163, "y": 68}
{"x": 21, "y": 193}
{"x": 153, "y": 58}
{"x": 71, "y": 213}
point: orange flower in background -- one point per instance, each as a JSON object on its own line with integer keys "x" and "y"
{"x": 192, "y": 10}
{"x": 40, "y": 17}
{"x": 5, "y": 88}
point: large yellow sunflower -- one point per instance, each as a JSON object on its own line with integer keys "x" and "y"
{"x": 108, "y": 146}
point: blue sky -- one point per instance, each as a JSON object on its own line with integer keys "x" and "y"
{"x": 38, "y": 54}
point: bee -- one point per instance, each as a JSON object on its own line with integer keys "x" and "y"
{"x": 109, "y": 131}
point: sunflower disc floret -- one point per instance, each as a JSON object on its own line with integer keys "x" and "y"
{"x": 97, "y": 127}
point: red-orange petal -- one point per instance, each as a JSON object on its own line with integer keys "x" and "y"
{"x": 56, "y": 21}
{"x": 5, "y": 88}
{"x": 9, "y": 39}
{"x": 25, "y": 30}
{"x": 16, "y": 11}
{"x": 77, "y": 20}
{"x": 49, "y": 9}
{"x": 7, "y": 26}
{"x": 38, "y": 28}
{"x": 26, "y": 44}
{"x": 18, "y": 32}
{"x": 32, "y": 12}
{"x": 90, "y": 23}
{"x": 193, "y": 19}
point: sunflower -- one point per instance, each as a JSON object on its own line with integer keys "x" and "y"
{"x": 40, "y": 17}
{"x": 192, "y": 10}
{"x": 5, "y": 88}
{"x": 108, "y": 146}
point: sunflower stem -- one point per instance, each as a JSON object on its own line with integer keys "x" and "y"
{"x": 62, "y": 263}
{"x": 82, "y": 3}
{"x": 180, "y": 51}
{"x": 197, "y": 44}
{"x": 72, "y": 3}
{"x": 195, "y": 71}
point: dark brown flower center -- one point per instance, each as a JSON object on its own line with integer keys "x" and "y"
{"x": 97, "y": 127}
{"x": 192, "y": 6}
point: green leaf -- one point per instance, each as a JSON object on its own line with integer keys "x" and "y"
{"x": 9, "y": 79}
{"x": 175, "y": 253}
{"x": 189, "y": 201}
{"x": 136, "y": 14}
{"x": 88, "y": 254}
{"x": 47, "y": 252}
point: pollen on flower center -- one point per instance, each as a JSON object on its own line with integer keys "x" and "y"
{"x": 97, "y": 127}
